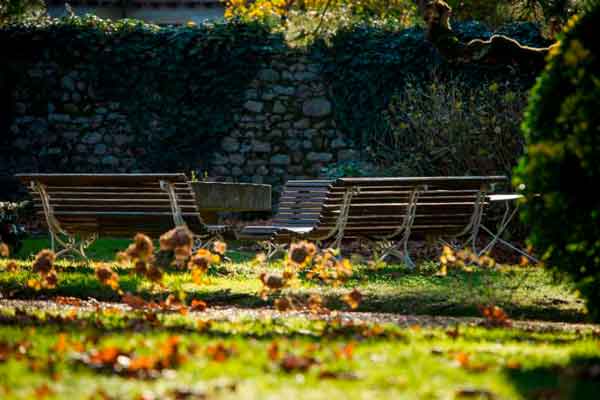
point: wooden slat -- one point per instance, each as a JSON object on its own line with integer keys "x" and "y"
{"x": 457, "y": 181}
{"x": 108, "y": 200}
{"x": 99, "y": 179}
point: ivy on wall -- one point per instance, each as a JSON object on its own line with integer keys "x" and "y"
{"x": 178, "y": 85}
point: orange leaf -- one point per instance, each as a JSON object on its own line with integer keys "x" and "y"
{"x": 273, "y": 351}
{"x": 61, "y": 344}
{"x": 291, "y": 363}
{"x": 347, "y": 351}
{"x": 145, "y": 363}
{"x": 198, "y": 305}
{"x": 43, "y": 391}
{"x": 133, "y": 301}
{"x": 462, "y": 359}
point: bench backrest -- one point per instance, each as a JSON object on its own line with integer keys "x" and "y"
{"x": 444, "y": 206}
{"x": 301, "y": 202}
{"x": 114, "y": 204}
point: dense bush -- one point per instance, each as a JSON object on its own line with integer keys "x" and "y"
{"x": 452, "y": 128}
{"x": 18, "y": 10}
{"x": 562, "y": 131}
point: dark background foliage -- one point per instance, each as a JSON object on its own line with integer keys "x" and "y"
{"x": 367, "y": 67}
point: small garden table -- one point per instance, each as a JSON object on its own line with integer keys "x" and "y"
{"x": 214, "y": 197}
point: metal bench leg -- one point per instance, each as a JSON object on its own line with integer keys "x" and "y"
{"x": 506, "y": 219}
{"x": 408, "y": 220}
{"x": 272, "y": 249}
{"x": 175, "y": 209}
{"x": 342, "y": 220}
{"x": 474, "y": 224}
{"x": 69, "y": 244}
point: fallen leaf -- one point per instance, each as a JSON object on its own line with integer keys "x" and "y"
{"x": 220, "y": 352}
{"x": 353, "y": 299}
{"x": 341, "y": 375}
{"x": 346, "y": 351}
{"x": 273, "y": 351}
{"x": 293, "y": 363}
{"x": 198, "y": 305}
{"x": 474, "y": 393}
{"x": 43, "y": 391}
{"x": 133, "y": 301}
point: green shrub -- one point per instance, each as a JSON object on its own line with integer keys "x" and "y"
{"x": 448, "y": 127}
{"x": 18, "y": 10}
{"x": 562, "y": 131}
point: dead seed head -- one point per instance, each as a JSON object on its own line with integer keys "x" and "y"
{"x": 4, "y": 250}
{"x": 141, "y": 248}
{"x": 301, "y": 252}
{"x": 104, "y": 273}
{"x": 220, "y": 247}
{"x": 141, "y": 267}
{"x": 51, "y": 279}
{"x": 154, "y": 274}
{"x": 175, "y": 238}
{"x": 44, "y": 261}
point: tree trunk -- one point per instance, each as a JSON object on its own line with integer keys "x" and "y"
{"x": 498, "y": 50}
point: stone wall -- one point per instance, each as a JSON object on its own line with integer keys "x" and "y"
{"x": 284, "y": 128}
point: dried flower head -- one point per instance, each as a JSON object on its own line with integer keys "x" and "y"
{"x": 302, "y": 252}
{"x": 123, "y": 258}
{"x": 272, "y": 281}
{"x": 353, "y": 299}
{"x": 4, "y": 250}
{"x": 176, "y": 238}
{"x": 154, "y": 274}
{"x": 141, "y": 268}
{"x": 12, "y": 266}
{"x": 107, "y": 276}
{"x": 284, "y": 304}
{"x": 50, "y": 280}
{"x": 220, "y": 247}
{"x": 142, "y": 248}
{"x": 182, "y": 254}
{"x": 44, "y": 261}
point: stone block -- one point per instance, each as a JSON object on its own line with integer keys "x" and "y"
{"x": 316, "y": 107}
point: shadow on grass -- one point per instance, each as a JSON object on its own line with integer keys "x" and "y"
{"x": 414, "y": 304}
{"x": 580, "y": 379}
{"x": 522, "y": 294}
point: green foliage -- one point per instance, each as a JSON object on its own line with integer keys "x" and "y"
{"x": 12, "y": 11}
{"x": 562, "y": 131}
{"x": 179, "y": 84}
{"x": 498, "y": 12}
{"x": 452, "y": 128}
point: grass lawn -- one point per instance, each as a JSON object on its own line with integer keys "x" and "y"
{"x": 60, "y": 344}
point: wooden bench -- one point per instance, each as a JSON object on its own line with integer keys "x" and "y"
{"x": 399, "y": 209}
{"x": 80, "y": 207}
{"x": 390, "y": 210}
